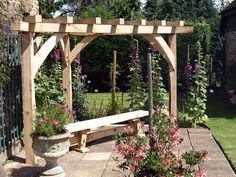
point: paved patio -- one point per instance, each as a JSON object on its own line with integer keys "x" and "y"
{"x": 98, "y": 162}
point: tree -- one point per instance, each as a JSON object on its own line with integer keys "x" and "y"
{"x": 128, "y": 9}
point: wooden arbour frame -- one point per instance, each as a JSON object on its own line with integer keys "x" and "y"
{"x": 33, "y": 27}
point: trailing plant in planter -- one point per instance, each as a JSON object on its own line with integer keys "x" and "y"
{"x": 50, "y": 138}
{"x": 51, "y": 120}
{"x": 154, "y": 155}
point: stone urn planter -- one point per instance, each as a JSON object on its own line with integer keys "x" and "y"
{"x": 51, "y": 148}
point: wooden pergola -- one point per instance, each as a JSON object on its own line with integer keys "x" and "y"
{"x": 32, "y": 28}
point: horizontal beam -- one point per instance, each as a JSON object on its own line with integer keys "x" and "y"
{"x": 86, "y": 29}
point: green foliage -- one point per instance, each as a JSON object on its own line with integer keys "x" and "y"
{"x": 159, "y": 91}
{"x": 4, "y": 73}
{"x": 99, "y": 11}
{"x": 48, "y": 84}
{"x": 180, "y": 9}
{"x": 51, "y": 120}
{"x": 128, "y": 9}
{"x": 78, "y": 99}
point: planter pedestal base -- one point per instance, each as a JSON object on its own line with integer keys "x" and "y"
{"x": 52, "y": 148}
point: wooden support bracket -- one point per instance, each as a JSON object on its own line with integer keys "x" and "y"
{"x": 137, "y": 125}
{"x": 82, "y": 140}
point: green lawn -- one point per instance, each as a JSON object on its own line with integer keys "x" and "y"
{"x": 222, "y": 124}
{"x": 104, "y": 99}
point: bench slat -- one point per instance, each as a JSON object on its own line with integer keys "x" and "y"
{"x": 103, "y": 121}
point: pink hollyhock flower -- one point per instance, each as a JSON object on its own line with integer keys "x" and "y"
{"x": 55, "y": 122}
{"x": 56, "y": 54}
{"x": 188, "y": 68}
{"x": 77, "y": 59}
{"x": 134, "y": 52}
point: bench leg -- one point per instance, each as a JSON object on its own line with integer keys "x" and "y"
{"x": 136, "y": 123}
{"x": 82, "y": 139}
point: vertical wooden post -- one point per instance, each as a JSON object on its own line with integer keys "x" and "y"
{"x": 28, "y": 93}
{"x": 67, "y": 79}
{"x": 150, "y": 91}
{"x": 113, "y": 89}
{"x": 173, "y": 77}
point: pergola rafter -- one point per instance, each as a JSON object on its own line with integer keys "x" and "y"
{"x": 60, "y": 29}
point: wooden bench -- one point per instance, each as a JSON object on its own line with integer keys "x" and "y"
{"x": 79, "y": 130}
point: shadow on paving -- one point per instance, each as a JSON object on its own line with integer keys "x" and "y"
{"x": 26, "y": 171}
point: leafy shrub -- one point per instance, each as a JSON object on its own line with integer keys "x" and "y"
{"x": 154, "y": 155}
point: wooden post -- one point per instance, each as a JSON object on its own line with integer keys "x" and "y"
{"x": 67, "y": 80}
{"x": 173, "y": 77}
{"x": 28, "y": 93}
{"x": 113, "y": 89}
{"x": 150, "y": 91}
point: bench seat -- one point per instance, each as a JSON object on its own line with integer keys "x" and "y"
{"x": 81, "y": 128}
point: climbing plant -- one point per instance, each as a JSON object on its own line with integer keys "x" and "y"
{"x": 196, "y": 84}
{"x": 159, "y": 91}
{"x": 137, "y": 88}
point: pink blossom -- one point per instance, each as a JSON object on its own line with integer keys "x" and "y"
{"x": 128, "y": 129}
{"x": 55, "y": 122}
{"x": 134, "y": 52}
{"x": 130, "y": 138}
{"x": 77, "y": 59}
{"x": 201, "y": 173}
{"x": 133, "y": 166}
{"x": 56, "y": 54}
{"x": 42, "y": 120}
{"x": 231, "y": 92}
{"x": 188, "y": 68}
{"x": 233, "y": 99}
{"x": 172, "y": 117}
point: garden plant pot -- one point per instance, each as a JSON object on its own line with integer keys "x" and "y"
{"x": 51, "y": 148}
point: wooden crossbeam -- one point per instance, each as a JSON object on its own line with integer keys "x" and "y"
{"x": 96, "y": 20}
{"x": 156, "y": 23}
{"x": 61, "y": 20}
{"x": 33, "y": 19}
{"x": 86, "y": 29}
{"x": 136, "y": 22}
{"x": 174, "y": 23}
{"x": 118, "y": 21}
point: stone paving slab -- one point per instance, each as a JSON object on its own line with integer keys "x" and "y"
{"x": 216, "y": 165}
{"x": 98, "y": 162}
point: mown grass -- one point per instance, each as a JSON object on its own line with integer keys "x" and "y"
{"x": 104, "y": 99}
